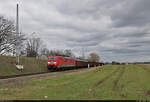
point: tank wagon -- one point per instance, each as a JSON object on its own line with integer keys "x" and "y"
{"x": 60, "y": 62}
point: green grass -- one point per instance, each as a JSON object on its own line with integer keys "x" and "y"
{"x": 7, "y": 65}
{"x": 133, "y": 84}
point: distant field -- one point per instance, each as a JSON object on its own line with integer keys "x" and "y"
{"x": 146, "y": 64}
{"x": 7, "y": 65}
{"x": 110, "y": 82}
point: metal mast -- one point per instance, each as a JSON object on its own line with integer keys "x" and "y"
{"x": 17, "y": 33}
{"x": 83, "y": 53}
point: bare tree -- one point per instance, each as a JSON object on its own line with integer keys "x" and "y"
{"x": 33, "y": 46}
{"x": 45, "y": 52}
{"x": 93, "y": 57}
{"x": 56, "y": 53}
{"x": 59, "y": 53}
{"x": 69, "y": 53}
{"x": 8, "y": 36}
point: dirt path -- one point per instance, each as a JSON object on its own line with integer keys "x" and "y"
{"x": 104, "y": 79}
{"x": 115, "y": 83}
{"x": 146, "y": 69}
{"x": 115, "y": 86}
{"x": 148, "y": 93}
{"x": 121, "y": 71}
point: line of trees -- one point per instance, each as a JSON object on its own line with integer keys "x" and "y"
{"x": 28, "y": 46}
{"x": 48, "y": 52}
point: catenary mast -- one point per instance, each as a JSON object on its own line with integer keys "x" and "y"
{"x": 17, "y": 33}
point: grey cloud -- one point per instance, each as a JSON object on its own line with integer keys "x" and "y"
{"x": 135, "y": 13}
{"x": 115, "y": 29}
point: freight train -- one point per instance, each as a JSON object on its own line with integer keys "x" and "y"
{"x": 60, "y": 62}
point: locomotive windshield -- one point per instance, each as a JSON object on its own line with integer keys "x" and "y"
{"x": 52, "y": 58}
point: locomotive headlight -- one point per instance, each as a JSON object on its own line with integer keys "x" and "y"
{"x": 54, "y": 62}
{"x": 49, "y": 62}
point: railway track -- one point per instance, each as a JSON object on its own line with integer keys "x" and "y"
{"x": 20, "y": 75}
{"x": 31, "y": 74}
{"x": 14, "y": 80}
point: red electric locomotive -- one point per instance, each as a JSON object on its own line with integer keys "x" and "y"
{"x": 57, "y": 62}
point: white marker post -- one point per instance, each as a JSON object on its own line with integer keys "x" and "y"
{"x": 88, "y": 65}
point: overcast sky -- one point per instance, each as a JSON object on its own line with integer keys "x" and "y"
{"x": 118, "y": 30}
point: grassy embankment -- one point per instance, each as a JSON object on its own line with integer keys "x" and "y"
{"x": 111, "y": 82}
{"x": 7, "y": 65}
